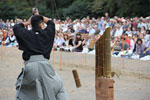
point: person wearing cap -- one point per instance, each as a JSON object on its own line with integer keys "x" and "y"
{"x": 38, "y": 80}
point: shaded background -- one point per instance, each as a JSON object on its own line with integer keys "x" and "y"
{"x": 60, "y": 9}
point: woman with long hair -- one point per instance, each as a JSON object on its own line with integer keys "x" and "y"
{"x": 78, "y": 44}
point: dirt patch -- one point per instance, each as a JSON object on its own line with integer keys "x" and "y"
{"x": 133, "y": 83}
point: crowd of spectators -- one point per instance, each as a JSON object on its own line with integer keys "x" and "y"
{"x": 130, "y": 37}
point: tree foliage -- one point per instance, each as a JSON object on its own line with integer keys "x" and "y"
{"x": 9, "y": 9}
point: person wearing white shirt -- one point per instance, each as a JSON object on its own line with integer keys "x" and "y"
{"x": 128, "y": 31}
{"x": 147, "y": 40}
{"x": 59, "y": 41}
{"x": 119, "y": 31}
{"x": 132, "y": 44}
{"x": 141, "y": 24}
{"x": 102, "y": 30}
{"x": 57, "y": 26}
{"x": 92, "y": 31}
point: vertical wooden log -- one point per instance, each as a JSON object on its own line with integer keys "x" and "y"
{"x": 1, "y": 45}
{"x": 100, "y": 58}
{"x": 104, "y": 85}
{"x": 107, "y": 52}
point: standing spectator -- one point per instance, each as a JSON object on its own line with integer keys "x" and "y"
{"x": 106, "y": 17}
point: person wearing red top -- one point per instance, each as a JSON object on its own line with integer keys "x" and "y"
{"x": 127, "y": 40}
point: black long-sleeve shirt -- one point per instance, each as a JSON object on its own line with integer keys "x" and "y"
{"x": 35, "y": 41}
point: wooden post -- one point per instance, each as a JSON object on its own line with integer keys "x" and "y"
{"x": 85, "y": 48}
{"x": 103, "y": 84}
{"x": 61, "y": 56}
{"x": 1, "y": 45}
{"x": 107, "y": 53}
{"x": 104, "y": 89}
{"x": 123, "y": 52}
{"x": 4, "y": 41}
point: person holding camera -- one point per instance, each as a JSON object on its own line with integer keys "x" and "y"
{"x": 38, "y": 80}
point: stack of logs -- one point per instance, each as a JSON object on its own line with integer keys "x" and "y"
{"x": 104, "y": 83}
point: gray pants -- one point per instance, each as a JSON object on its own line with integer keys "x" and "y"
{"x": 38, "y": 81}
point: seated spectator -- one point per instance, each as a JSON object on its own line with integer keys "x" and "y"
{"x": 127, "y": 40}
{"x": 131, "y": 28}
{"x": 143, "y": 30}
{"x": 71, "y": 40}
{"x": 91, "y": 41}
{"x": 66, "y": 43}
{"x": 102, "y": 30}
{"x": 78, "y": 44}
{"x": 66, "y": 40}
{"x": 12, "y": 38}
{"x": 125, "y": 26}
{"x": 85, "y": 39}
{"x": 147, "y": 51}
{"x": 82, "y": 30}
{"x": 147, "y": 40}
{"x": 116, "y": 48}
{"x": 1, "y": 37}
{"x": 59, "y": 41}
{"x": 132, "y": 43}
{"x": 134, "y": 30}
{"x": 128, "y": 31}
{"x": 124, "y": 48}
{"x": 92, "y": 31}
{"x": 124, "y": 45}
{"x": 138, "y": 33}
{"x": 119, "y": 31}
{"x": 140, "y": 47}
{"x": 70, "y": 29}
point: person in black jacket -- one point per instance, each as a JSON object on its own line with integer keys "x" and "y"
{"x": 38, "y": 80}
{"x": 36, "y": 41}
{"x": 78, "y": 44}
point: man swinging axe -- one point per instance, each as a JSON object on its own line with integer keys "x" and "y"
{"x": 38, "y": 80}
